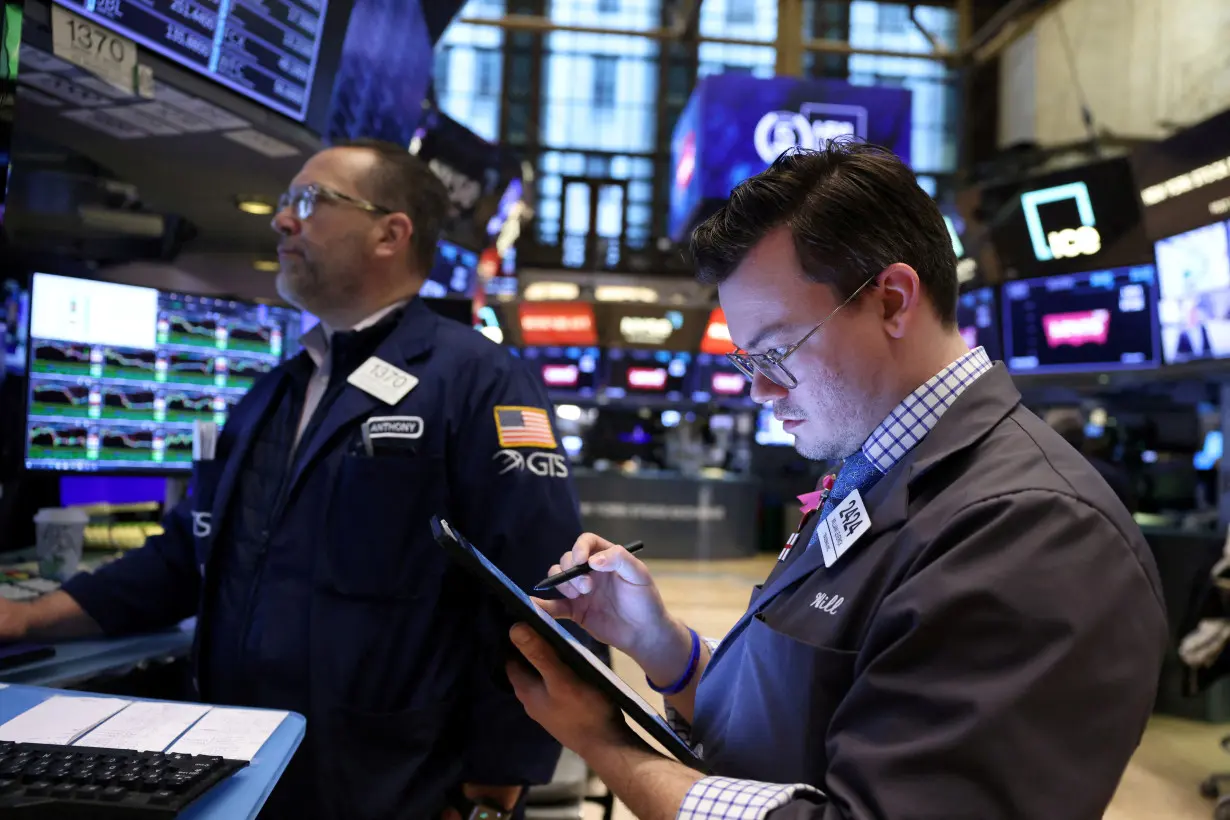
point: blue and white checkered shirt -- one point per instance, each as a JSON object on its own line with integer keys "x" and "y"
{"x": 728, "y": 799}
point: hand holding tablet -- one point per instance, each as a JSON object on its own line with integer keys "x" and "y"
{"x": 587, "y": 666}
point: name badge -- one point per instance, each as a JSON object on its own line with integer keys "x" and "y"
{"x": 378, "y": 378}
{"x": 843, "y": 526}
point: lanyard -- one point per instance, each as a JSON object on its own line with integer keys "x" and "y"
{"x": 826, "y": 488}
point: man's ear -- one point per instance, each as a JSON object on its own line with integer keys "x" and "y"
{"x": 396, "y": 232}
{"x": 902, "y": 297}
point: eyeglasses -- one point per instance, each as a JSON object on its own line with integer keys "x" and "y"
{"x": 302, "y": 201}
{"x": 771, "y": 364}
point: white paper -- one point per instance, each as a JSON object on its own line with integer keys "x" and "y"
{"x": 60, "y": 719}
{"x": 236, "y": 734}
{"x": 144, "y": 726}
{"x": 378, "y": 378}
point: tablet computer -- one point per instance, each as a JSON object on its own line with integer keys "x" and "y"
{"x": 588, "y": 666}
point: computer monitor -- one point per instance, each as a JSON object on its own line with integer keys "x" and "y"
{"x": 1103, "y": 320}
{"x": 648, "y": 373}
{"x": 119, "y": 373}
{"x": 566, "y": 372}
{"x": 265, "y": 51}
{"x": 716, "y": 379}
{"x": 1193, "y": 273}
{"x": 978, "y": 321}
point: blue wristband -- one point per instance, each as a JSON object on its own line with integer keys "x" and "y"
{"x": 681, "y": 684}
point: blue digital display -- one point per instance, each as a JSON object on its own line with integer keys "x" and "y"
{"x": 455, "y": 273}
{"x": 735, "y": 125}
{"x": 978, "y": 321}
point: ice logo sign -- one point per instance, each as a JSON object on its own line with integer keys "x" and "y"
{"x": 811, "y": 127}
{"x": 1067, "y": 242}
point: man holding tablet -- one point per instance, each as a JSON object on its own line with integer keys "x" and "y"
{"x": 970, "y": 625}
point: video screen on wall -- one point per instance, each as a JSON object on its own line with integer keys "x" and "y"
{"x": 119, "y": 373}
{"x": 647, "y": 373}
{"x": 1193, "y": 272}
{"x": 978, "y": 321}
{"x": 572, "y": 372}
{"x": 265, "y": 50}
{"x": 1090, "y": 321}
{"x": 716, "y": 379}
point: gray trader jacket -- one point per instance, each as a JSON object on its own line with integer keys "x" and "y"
{"x": 989, "y": 649}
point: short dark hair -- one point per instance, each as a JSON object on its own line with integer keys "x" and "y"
{"x": 853, "y": 210}
{"x": 404, "y": 184}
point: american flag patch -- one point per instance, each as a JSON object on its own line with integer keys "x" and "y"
{"x": 524, "y": 427}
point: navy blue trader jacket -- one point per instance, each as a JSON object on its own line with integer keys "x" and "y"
{"x": 319, "y": 586}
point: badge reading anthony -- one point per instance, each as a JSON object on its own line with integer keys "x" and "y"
{"x": 843, "y": 526}
{"x": 378, "y": 378}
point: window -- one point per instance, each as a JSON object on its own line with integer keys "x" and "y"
{"x": 893, "y": 19}
{"x": 605, "y": 70}
{"x": 488, "y": 73}
{"x": 444, "y": 56}
{"x": 468, "y": 68}
{"x": 608, "y": 6}
{"x": 740, "y": 12}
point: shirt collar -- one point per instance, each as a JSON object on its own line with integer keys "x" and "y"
{"x": 317, "y": 340}
{"x": 919, "y": 412}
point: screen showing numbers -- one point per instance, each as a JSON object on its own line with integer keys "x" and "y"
{"x": 119, "y": 373}
{"x": 264, "y": 49}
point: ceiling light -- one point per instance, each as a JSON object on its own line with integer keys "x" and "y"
{"x": 256, "y": 206}
{"x": 267, "y": 265}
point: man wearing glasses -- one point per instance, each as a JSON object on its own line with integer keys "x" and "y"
{"x": 969, "y": 625}
{"x": 306, "y": 547}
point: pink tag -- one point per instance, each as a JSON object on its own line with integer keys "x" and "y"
{"x": 811, "y": 501}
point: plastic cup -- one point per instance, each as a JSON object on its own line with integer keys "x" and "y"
{"x": 59, "y": 541}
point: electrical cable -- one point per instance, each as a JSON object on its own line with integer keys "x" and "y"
{"x": 1086, "y": 112}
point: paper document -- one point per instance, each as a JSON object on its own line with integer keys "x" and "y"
{"x": 236, "y": 734}
{"x": 144, "y": 727}
{"x": 60, "y": 719}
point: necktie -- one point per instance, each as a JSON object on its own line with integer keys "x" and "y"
{"x": 857, "y": 473}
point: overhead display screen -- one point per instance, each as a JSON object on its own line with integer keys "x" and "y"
{"x": 566, "y": 371}
{"x": 1193, "y": 271}
{"x": 119, "y": 373}
{"x": 647, "y": 373}
{"x": 716, "y": 379}
{"x": 264, "y": 49}
{"x": 1089, "y": 321}
{"x": 978, "y": 322}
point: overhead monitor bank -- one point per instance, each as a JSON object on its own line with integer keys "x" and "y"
{"x": 1184, "y": 181}
{"x": 1194, "y": 307}
{"x": 119, "y": 373}
{"x": 1071, "y": 221}
{"x": 267, "y": 51}
{"x": 1103, "y": 320}
{"x": 735, "y": 125}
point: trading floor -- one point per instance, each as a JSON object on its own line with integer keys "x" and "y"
{"x": 1161, "y": 782}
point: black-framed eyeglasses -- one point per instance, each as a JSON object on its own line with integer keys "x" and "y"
{"x": 771, "y": 363}
{"x": 302, "y": 201}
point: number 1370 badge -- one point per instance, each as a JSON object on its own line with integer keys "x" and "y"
{"x": 844, "y": 525}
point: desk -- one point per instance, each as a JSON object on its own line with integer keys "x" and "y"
{"x": 240, "y": 796}
{"x": 678, "y": 516}
{"x": 77, "y": 661}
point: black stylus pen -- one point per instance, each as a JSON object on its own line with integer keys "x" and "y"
{"x": 578, "y": 571}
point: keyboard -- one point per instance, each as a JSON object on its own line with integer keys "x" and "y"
{"x": 46, "y": 781}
